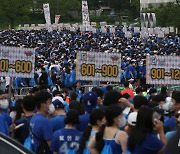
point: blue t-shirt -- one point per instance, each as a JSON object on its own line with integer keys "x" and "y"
{"x": 170, "y": 122}
{"x": 129, "y": 71}
{"x": 5, "y": 122}
{"x": 57, "y": 122}
{"x": 41, "y": 128}
{"x": 65, "y": 140}
{"x": 83, "y": 122}
{"x": 151, "y": 145}
{"x": 7, "y": 118}
{"x": 142, "y": 69}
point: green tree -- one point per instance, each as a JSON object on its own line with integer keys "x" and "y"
{"x": 14, "y": 10}
{"x": 168, "y": 15}
{"x": 135, "y": 7}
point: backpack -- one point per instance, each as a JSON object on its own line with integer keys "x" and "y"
{"x": 42, "y": 148}
{"x": 27, "y": 143}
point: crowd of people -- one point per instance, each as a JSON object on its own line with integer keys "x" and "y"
{"x": 104, "y": 120}
{"x": 56, "y": 52}
{"x": 59, "y": 116}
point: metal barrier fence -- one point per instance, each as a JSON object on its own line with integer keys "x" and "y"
{"x": 89, "y": 87}
{"x": 21, "y": 92}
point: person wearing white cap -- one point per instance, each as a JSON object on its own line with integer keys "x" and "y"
{"x": 57, "y": 122}
{"x": 131, "y": 122}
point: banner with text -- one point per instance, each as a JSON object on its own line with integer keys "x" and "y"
{"x": 17, "y": 62}
{"x": 85, "y": 16}
{"x": 47, "y": 16}
{"x": 57, "y": 17}
{"x": 163, "y": 70}
{"x": 93, "y": 66}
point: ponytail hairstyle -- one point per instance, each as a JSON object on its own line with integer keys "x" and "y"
{"x": 96, "y": 114}
{"x": 111, "y": 112}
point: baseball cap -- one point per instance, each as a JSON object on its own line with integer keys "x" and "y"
{"x": 89, "y": 101}
{"x": 58, "y": 104}
{"x": 132, "y": 118}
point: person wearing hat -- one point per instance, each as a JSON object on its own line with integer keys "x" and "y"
{"x": 131, "y": 122}
{"x": 89, "y": 103}
{"x": 66, "y": 140}
{"x": 57, "y": 122}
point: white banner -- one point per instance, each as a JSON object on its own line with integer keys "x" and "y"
{"x": 171, "y": 29}
{"x": 165, "y": 30}
{"x": 72, "y": 29}
{"x": 163, "y": 70}
{"x": 144, "y": 34}
{"x": 128, "y": 34}
{"x": 97, "y": 66}
{"x": 160, "y": 34}
{"x": 17, "y": 62}
{"x": 124, "y": 28}
{"x": 85, "y": 15}
{"x": 47, "y": 16}
{"x": 136, "y": 29}
{"x": 94, "y": 30}
{"x": 103, "y": 29}
{"x": 151, "y": 31}
{"x": 57, "y": 18}
{"x": 112, "y": 30}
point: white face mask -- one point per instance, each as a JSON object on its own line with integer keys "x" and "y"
{"x": 4, "y": 104}
{"x": 122, "y": 122}
{"x": 51, "y": 109}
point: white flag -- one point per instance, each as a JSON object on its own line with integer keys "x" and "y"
{"x": 103, "y": 29}
{"x": 57, "y": 17}
{"x": 47, "y": 16}
{"x": 85, "y": 15}
{"x": 128, "y": 34}
{"x": 171, "y": 29}
{"x": 112, "y": 30}
{"x": 160, "y": 34}
{"x": 136, "y": 29}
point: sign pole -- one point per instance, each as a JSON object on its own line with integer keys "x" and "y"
{"x": 98, "y": 84}
{"x": 10, "y": 88}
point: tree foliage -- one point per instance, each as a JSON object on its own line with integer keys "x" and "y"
{"x": 14, "y": 10}
{"x": 168, "y": 15}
